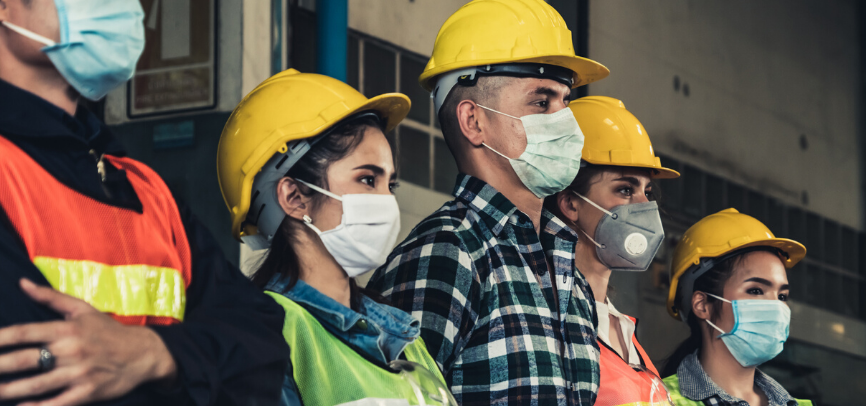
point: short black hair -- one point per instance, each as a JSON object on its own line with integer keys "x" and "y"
{"x": 484, "y": 92}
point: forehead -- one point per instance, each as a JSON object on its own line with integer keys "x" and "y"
{"x": 373, "y": 149}
{"x": 760, "y": 264}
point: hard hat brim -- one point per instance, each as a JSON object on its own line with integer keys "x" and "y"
{"x": 585, "y": 70}
{"x": 795, "y": 251}
{"x": 656, "y": 172}
{"x": 391, "y": 107}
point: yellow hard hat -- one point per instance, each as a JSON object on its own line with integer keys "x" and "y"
{"x": 490, "y": 32}
{"x": 709, "y": 240}
{"x": 613, "y": 136}
{"x": 289, "y": 106}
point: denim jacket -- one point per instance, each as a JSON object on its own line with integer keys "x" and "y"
{"x": 381, "y": 331}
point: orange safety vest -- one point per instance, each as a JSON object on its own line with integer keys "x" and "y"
{"x": 622, "y": 385}
{"x": 135, "y": 266}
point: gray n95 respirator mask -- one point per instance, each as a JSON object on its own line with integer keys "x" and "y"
{"x": 628, "y": 237}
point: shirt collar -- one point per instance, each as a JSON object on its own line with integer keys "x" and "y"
{"x": 695, "y": 384}
{"x": 24, "y": 114}
{"x": 492, "y": 207}
{"x": 386, "y": 318}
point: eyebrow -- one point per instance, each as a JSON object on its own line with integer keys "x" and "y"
{"x": 765, "y": 282}
{"x": 377, "y": 170}
{"x": 548, "y": 91}
{"x": 630, "y": 179}
{"x": 374, "y": 168}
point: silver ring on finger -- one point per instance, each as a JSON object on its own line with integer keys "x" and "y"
{"x": 46, "y": 360}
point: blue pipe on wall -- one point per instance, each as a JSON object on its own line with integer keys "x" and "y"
{"x": 333, "y": 26}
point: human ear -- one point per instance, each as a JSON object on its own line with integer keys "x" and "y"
{"x": 293, "y": 203}
{"x": 565, "y": 200}
{"x": 700, "y": 307}
{"x": 468, "y": 118}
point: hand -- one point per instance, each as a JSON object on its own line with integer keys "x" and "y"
{"x": 96, "y": 357}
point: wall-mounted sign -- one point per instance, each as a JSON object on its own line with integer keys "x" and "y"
{"x": 176, "y": 71}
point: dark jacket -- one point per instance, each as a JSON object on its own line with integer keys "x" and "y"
{"x": 229, "y": 350}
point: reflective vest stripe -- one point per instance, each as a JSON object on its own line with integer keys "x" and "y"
{"x": 123, "y": 290}
{"x": 133, "y": 264}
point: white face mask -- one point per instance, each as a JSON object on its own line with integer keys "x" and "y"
{"x": 367, "y": 231}
{"x": 553, "y": 149}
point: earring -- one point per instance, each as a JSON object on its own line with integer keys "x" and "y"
{"x": 307, "y": 219}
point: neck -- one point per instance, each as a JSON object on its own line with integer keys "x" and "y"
{"x": 500, "y": 175}
{"x": 42, "y": 80}
{"x": 319, "y": 269}
{"x": 596, "y": 273}
{"x": 723, "y": 368}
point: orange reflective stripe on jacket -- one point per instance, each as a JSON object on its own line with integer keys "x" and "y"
{"x": 135, "y": 266}
{"x": 621, "y": 384}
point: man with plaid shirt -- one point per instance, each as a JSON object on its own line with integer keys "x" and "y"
{"x": 491, "y": 274}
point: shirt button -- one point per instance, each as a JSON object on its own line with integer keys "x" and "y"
{"x": 361, "y": 324}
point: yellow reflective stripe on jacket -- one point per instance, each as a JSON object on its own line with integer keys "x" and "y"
{"x": 124, "y": 290}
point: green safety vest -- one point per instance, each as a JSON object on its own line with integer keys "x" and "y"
{"x": 673, "y": 385}
{"x": 329, "y": 372}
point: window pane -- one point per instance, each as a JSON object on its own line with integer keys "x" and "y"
{"x": 848, "y": 249}
{"x": 352, "y": 62}
{"x": 736, "y": 197}
{"x": 814, "y": 241}
{"x": 444, "y": 167}
{"x": 797, "y": 226}
{"x": 715, "y": 194}
{"x": 692, "y": 178}
{"x": 414, "y": 156}
{"x": 831, "y": 242}
{"x": 833, "y": 292}
{"x": 850, "y": 295}
{"x": 410, "y": 68}
{"x": 379, "y": 69}
{"x": 776, "y": 218}
{"x": 303, "y": 47}
{"x": 758, "y": 206}
{"x": 812, "y": 292}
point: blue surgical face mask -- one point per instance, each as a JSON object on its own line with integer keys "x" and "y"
{"x": 760, "y": 330}
{"x": 100, "y": 43}
{"x": 553, "y": 148}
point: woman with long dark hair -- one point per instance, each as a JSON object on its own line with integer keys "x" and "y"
{"x": 306, "y": 171}
{"x": 611, "y": 206}
{"x": 729, "y": 284}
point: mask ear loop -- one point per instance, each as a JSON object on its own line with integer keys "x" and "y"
{"x": 29, "y": 34}
{"x": 498, "y": 112}
{"x": 612, "y": 215}
{"x": 711, "y": 323}
{"x": 307, "y": 220}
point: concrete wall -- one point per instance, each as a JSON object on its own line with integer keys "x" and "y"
{"x": 760, "y": 75}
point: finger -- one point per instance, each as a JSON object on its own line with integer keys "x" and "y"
{"x": 34, "y": 333}
{"x": 74, "y": 396}
{"x": 19, "y": 361}
{"x": 39, "y": 384}
{"x": 60, "y": 302}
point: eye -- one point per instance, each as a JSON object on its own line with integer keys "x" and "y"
{"x": 369, "y": 181}
{"x": 755, "y": 291}
{"x": 649, "y": 194}
{"x": 783, "y": 297}
{"x": 393, "y": 185}
{"x": 627, "y": 191}
{"x": 542, "y": 103}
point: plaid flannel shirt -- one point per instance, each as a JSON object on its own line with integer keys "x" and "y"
{"x": 476, "y": 274}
